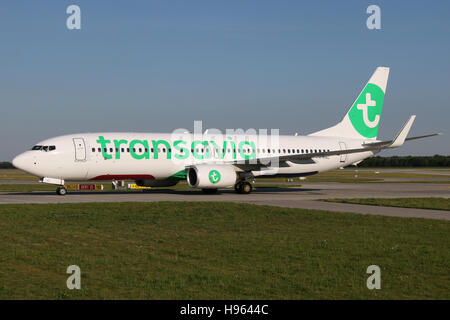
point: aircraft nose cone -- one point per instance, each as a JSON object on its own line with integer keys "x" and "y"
{"x": 20, "y": 162}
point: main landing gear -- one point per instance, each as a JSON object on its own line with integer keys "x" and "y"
{"x": 61, "y": 190}
{"x": 243, "y": 187}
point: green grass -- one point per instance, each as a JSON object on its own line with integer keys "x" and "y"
{"x": 421, "y": 203}
{"x": 418, "y": 181}
{"x": 15, "y": 174}
{"x": 351, "y": 172}
{"x": 26, "y": 187}
{"x": 192, "y": 250}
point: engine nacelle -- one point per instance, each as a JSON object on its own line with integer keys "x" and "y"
{"x": 207, "y": 176}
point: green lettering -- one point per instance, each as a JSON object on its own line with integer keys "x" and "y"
{"x": 252, "y": 155}
{"x": 233, "y": 147}
{"x": 103, "y": 143}
{"x": 220, "y": 152}
{"x": 139, "y": 156}
{"x": 117, "y": 144}
{"x": 194, "y": 152}
{"x": 184, "y": 151}
{"x": 163, "y": 142}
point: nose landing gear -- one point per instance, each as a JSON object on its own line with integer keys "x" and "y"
{"x": 243, "y": 187}
{"x": 61, "y": 190}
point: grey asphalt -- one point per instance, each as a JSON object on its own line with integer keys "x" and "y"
{"x": 292, "y": 197}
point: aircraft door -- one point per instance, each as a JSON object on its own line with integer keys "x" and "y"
{"x": 80, "y": 149}
{"x": 343, "y": 147}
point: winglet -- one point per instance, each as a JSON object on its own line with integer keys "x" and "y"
{"x": 401, "y": 136}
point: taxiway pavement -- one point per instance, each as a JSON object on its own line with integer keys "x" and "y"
{"x": 292, "y": 197}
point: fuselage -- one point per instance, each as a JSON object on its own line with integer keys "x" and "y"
{"x": 160, "y": 156}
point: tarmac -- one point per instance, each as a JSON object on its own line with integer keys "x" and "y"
{"x": 292, "y": 197}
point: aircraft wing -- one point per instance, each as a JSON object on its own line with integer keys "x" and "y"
{"x": 306, "y": 156}
{"x": 375, "y": 146}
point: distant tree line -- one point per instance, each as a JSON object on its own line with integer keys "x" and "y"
{"x": 408, "y": 161}
{"x": 6, "y": 165}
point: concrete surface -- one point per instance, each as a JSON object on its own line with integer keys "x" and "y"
{"x": 292, "y": 197}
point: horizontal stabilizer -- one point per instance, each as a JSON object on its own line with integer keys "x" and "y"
{"x": 425, "y": 136}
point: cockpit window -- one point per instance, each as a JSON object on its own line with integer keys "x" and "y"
{"x": 44, "y": 148}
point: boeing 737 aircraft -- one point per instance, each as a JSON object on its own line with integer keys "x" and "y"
{"x": 211, "y": 161}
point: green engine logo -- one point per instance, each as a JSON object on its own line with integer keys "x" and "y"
{"x": 366, "y": 111}
{"x": 214, "y": 176}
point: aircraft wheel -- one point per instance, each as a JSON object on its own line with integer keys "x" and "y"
{"x": 246, "y": 188}
{"x": 243, "y": 187}
{"x": 209, "y": 191}
{"x": 61, "y": 191}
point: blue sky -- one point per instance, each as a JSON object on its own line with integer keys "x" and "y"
{"x": 160, "y": 65}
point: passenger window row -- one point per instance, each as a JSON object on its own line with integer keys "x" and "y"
{"x": 123, "y": 150}
{"x": 293, "y": 151}
{"x": 198, "y": 150}
{"x": 201, "y": 150}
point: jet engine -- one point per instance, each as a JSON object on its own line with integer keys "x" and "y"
{"x": 206, "y": 176}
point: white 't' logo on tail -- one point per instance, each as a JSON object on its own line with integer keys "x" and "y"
{"x": 364, "y": 108}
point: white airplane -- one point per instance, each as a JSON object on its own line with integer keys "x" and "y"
{"x": 209, "y": 161}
